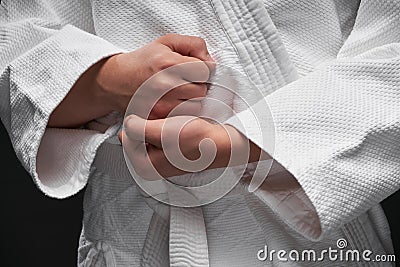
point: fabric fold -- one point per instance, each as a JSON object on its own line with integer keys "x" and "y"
{"x": 51, "y": 58}
{"x": 335, "y": 142}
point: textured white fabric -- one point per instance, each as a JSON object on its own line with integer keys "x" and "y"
{"x": 336, "y": 127}
{"x": 41, "y": 58}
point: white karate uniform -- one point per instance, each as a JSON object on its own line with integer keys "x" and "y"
{"x": 329, "y": 71}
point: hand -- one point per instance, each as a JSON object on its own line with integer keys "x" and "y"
{"x": 204, "y": 145}
{"x": 121, "y": 75}
{"x": 109, "y": 84}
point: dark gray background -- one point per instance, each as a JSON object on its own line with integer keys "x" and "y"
{"x": 39, "y": 231}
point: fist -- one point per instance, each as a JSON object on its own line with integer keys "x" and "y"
{"x": 169, "y": 72}
{"x": 178, "y": 145}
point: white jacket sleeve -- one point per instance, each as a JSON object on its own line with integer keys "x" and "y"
{"x": 337, "y": 130}
{"x": 41, "y": 57}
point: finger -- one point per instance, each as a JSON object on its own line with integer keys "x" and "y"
{"x": 174, "y": 107}
{"x": 185, "y": 45}
{"x": 170, "y": 98}
{"x": 129, "y": 143}
{"x": 148, "y": 131}
{"x": 211, "y": 65}
{"x": 134, "y": 150}
{"x": 136, "y": 154}
{"x": 186, "y": 108}
{"x": 161, "y": 163}
{"x": 189, "y": 69}
{"x": 188, "y": 91}
{"x": 170, "y": 79}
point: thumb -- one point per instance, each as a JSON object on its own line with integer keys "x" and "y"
{"x": 148, "y": 131}
{"x": 186, "y": 45}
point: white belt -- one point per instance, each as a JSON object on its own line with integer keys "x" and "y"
{"x": 187, "y": 233}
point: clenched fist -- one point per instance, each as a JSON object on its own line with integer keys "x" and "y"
{"x": 184, "y": 144}
{"x": 122, "y": 75}
{"x": 110, "y": 84}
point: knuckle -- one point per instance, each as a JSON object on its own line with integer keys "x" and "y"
{"x": 128, "y": 123}
{"x": 185, "y": 134}
{"x": 166, "y": 62}
{"x": 160, "y": 110}
{"x": 198, "y": 41}
{"x": 163, "y": 85}
{"x": 165, "y": 37}
{"x": 203, "y": 72}
{"x": 170, "y": 35}
{"x": 162, "y": 61}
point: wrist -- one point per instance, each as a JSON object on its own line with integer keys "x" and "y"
{"x": 114, "y": 84}
{"x": 222, "y": 138}
{"x": 101, "y": 84}
{"x": 83, "y": 103}
{"x": 233, "y": 148}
